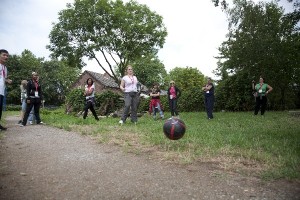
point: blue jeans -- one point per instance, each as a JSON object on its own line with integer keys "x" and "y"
{"x": 157, "y": 108}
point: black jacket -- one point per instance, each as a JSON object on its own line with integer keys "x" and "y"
{"x": 31, "y": 89}
{"x": 178, "y": 92}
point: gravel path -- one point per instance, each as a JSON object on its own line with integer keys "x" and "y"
{"x": 42, "y": 162}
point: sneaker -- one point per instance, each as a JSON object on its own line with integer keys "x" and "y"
{"x": 121, "y": 122}
{"x": 30, "y": 122}
{"x": 2, "y": 128}
{"x": 21, "y": 125}
{"x": 20, "y": 122}
{"x": 40, "y": 122}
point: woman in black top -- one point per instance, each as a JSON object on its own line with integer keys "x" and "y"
{"x": 34, "y": 99}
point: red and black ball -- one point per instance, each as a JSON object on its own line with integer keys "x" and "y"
{"x": 174, "y": 128}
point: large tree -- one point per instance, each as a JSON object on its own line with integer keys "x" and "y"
{"x": 262, "y": 41}
{"x": 55, "y": 77}
{"x": 111, "y": 32}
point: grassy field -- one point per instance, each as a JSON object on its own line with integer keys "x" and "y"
{"x": 268, "y": 146}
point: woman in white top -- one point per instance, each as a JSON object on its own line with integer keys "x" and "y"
{"x": 89, "y": 94}
{"x": 129, "y": 87}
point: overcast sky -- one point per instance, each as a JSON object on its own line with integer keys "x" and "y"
{"x": 195, "y": 30}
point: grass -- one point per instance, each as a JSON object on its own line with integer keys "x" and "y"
{"x": 268, "y": 147}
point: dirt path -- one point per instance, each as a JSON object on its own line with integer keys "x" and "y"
{"x": 42, "y": 162}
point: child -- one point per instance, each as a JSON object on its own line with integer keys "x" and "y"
{"x": 155, "y": 104}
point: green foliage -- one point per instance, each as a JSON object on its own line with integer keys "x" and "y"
{"x": 149, "y": 69}
{"x": 105, "y": 29}
{"x": 187, "y": 78}
{"x": 191, "y": 100}
{"x": 262, "y": 41}
{"x": 75, "y": 100}
{"x": 110, "y": 99}
{"x": 55, "y": 77}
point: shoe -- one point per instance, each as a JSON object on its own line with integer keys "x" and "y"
{"x": 40, "y": 122}
{"x": 20, "y": 122}
{"x": 3, "y": 128}
{"x": 30, "y": 122}
{"x": 97, "y": 119}
{"x": 21, "y": 125}
{"x": 121, "y": 122}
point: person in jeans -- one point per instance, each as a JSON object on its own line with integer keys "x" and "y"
{"x": 173, "y": 95}
{"x": 155, "y": 104}
{"x": 89, "y": 94}
{"x": 4, "y": 55}
{"x": 34, "y": 99}
{"x": 131, "y": 97}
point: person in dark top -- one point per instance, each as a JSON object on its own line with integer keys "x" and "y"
{"x": 173, "y": 95}
{"x": 155, "y": 104}
{"x": 33, "y": 99}
{"x": 209, "y": 98}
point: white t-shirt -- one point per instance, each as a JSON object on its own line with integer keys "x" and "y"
{"x": 3, "y": 76}
{"x": 91, "y": 88}
{"x": 130, "y": 83}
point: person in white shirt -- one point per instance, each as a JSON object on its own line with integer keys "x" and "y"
{"x": 131, "y": 97}
{"x": 4, "y": 55}
{"x": 89, "y": 94}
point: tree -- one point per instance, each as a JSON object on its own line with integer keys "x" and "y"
{"x": 55, "y": 76}
{"x": 149, "y": 69}
{"x": 187, "y": 78}
{"x": 111, "y": 32}
{"x": 262, "y": 41}
{"x": 224, "y": 3}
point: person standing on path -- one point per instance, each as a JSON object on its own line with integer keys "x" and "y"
{"x": 209, "y": 98}
{"x": 89, "y": 94}
{"x": 4, "y": 55}
{"x": 34, "y": 99}
{"x": 129, "y": 86}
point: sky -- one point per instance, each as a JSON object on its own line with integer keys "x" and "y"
{"x": 196, "y": 28}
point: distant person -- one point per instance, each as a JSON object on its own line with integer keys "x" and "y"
{"x": 89, "y": 94}
{"x": 23, "y": 89}
{"x": 129, "y": 85}
{"x": 173, "y": 95}
{"x": 4, "y": 56}
{"x": 261, "y": 91}
{"x": 209, "y": 98}
{"x": 34, "y": 99}
{"x": 155, "y": 104}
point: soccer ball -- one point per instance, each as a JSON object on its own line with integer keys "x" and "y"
{"x": 174, "y": 128}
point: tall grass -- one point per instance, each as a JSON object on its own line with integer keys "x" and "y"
{"x": 266, "y": 146}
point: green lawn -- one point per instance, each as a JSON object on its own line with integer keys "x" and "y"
{"x": 266, "y": 146}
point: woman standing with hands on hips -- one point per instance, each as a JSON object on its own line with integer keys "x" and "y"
{"x": 261, "y": 91}
{"x": 129, "y": 87}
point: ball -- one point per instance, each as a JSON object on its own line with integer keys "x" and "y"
{"x": 174, "y": 128}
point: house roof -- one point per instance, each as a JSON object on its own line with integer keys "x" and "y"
{"x": 105, "y": 80}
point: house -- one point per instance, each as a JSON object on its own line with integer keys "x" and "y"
{"x": 103, "y": 82}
